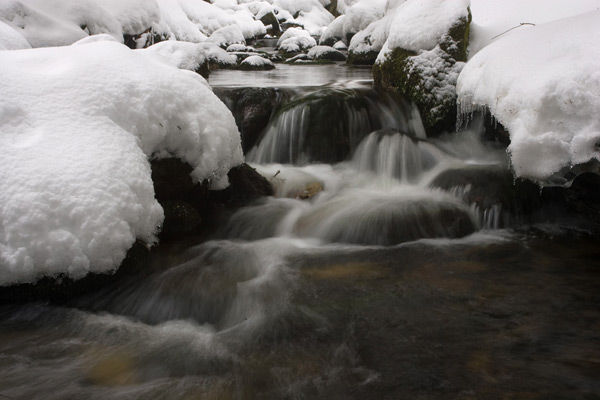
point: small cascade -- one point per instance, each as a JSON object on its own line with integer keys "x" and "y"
{"x": 327, "y": 124}
{"x": 395, "y": 155}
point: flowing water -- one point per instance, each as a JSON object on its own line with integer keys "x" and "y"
{"x": 388, "y": 265}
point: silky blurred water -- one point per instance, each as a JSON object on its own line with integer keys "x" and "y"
{"x": 408, "y": 270}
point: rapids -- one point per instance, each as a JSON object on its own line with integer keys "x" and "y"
{"x": 388, "y": 265}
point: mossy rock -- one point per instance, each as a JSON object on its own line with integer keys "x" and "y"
{"x": 366, "y": 58}
{"x": 434, "y": 93}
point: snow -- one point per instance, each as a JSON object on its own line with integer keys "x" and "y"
{"x": 543, "y": 84}
{"x": 419, "y": 24}
{"x": 226, "y": 36}
{"x": 361, "y": 14}
{"x": 493, "y": 17}
{"x": 77, "y": 127}
{"x": 10, "y": 39}
{"x": 295, "y": 39}
{"x": 258, "y": 61}
{"x": 46, "y": 23}
{"x": 135, "y": 16}
{"x": 182, "y": 55}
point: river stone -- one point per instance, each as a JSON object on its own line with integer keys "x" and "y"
{"x": 271, "y": 19}
{"x": 389, "y": 222}
{"x": 252, "y": 108}
{"x": 491, "y": 185}
{"x": 338, "y": 120}
{"x": 434, "y": 93}
{"x": 245, "y": 186}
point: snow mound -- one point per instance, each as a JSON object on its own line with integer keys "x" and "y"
{"x": 420, "y": 24}
{"x": 226, "y": 36}
{"x": 543, "y": 84}
{"x": 295, "y": 39}
{"x": 77, "y": 127}
{"x": 182, "y": 55}
{"x": 10, "y": 39}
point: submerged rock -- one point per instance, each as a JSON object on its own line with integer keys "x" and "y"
{"x": 386, "y": 219}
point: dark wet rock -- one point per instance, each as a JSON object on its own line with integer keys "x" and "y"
{"x": 171, "y": 178}
{"x": 429, "y": 78}
{"x": 583, "y": 197}
{"x": 245, "y": 186}
{"x": 61, "y": 289}
{"x": 180, "y": 218}
{"x": 142, "y": 40}
{"x": 252, "y": 108}
{"x": 362, "y": 58}
{"x": 489, "y": 185}
{"x": 324, "y": 126}
{"x": 271, "y": 19}
{"x": 326, "y": 53}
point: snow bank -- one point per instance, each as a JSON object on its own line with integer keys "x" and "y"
{"x": 493, "y": 17}
{"x": 543, "y": 84}
{"x": 77, "y": 126}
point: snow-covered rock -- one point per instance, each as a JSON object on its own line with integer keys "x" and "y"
{"x": 424, "y": 52}
{"x": 543, "y": 84}
{"x": 355, "y": 19}
{"x": 77, "y": 127}
{"x": 226, "y": 36}
{"x": 256, "y": 63}
{"x": 295, "y": 40}
{"x": 325, "y": 53}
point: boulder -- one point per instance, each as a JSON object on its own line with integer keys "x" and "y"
{"x": 271, "y": 19}
{"x": 252, "y": 108}
{"x": 428, "y": 78}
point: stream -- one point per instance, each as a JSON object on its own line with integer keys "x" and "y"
{"x": 388, "y": 265}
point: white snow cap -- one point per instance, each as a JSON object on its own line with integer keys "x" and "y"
{"x": 543, "y": 84}
{"x": 258, "y": 61}
{"x": 77, "y": 127}
{"x": 419, "y": 24}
